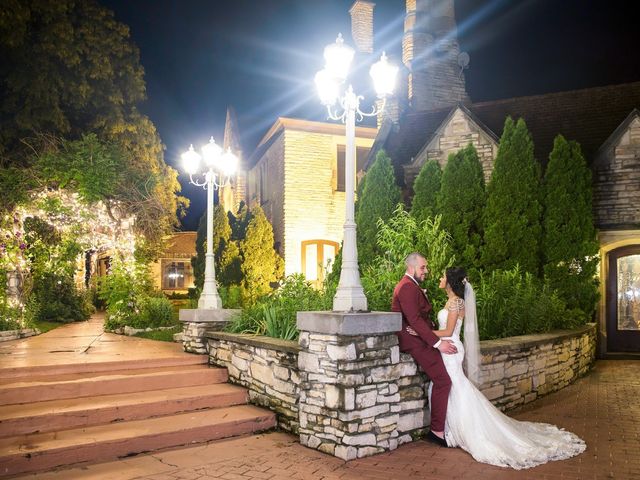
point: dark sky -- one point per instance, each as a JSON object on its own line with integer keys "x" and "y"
{"x": 260, "y": 56}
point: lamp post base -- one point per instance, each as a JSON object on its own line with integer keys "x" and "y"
{"x": 350, "y": 299}
{"x": 209, "y": 300}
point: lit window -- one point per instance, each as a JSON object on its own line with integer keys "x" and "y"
{"x": 176, "y": 275}
{"x": 317, "y": 259}
{"x": 361, "y": 158}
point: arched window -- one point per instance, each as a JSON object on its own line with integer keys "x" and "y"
{"x": 317, "y": 259}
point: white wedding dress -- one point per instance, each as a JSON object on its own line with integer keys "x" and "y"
{"x": 476, "y": 426}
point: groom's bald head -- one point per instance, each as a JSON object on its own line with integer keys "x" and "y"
{"x": 416, "y": 266}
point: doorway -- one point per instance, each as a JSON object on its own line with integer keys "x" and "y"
{"x": 623, "y": 300}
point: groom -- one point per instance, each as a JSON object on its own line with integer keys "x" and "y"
{"x": 422, "y": 344}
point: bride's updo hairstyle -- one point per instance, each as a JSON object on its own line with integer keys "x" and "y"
{"x": 455, "y": 279}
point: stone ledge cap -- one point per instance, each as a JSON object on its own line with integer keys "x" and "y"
{"x": 347, "y": 323}
{"x": 207, "y": 315}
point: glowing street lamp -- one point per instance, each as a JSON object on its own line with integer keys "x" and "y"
{"x": 338, "y": 57}
{"x": 220, "y": 165}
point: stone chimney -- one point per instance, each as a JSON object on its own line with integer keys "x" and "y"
{"x": 430, "y": 53}
{"x": 362, "y": 25}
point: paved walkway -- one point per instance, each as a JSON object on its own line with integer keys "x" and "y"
{"x": 603, "y": 408}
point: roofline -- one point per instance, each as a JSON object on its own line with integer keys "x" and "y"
{"x": 553, "y": 94}
{"x": 474, "y": 118}
{"x": 286, "y": 123}
{"x": 617, "y": 133}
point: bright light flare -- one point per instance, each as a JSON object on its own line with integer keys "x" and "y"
{"x": 384, "y": 76}
{"x": 191, "y": 160}
{"x": 327, "y": 86}
{"x": 338, "y": 58}
{"x": 212, "y": 153}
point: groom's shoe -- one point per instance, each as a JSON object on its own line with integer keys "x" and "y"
{"x": 432, "y": 437}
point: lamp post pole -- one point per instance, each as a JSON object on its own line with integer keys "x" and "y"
{"x": 214, "y": 158}
{"x": 209, "y": 298}
{"x": 350, "y": 295}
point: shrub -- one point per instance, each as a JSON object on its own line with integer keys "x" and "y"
{"x": 426, "y": 188}
{"x": 275, "y": 314}
{"x": 398, "y": 237}
{"x": 380, "y": 195}
{"x": 155, "y": 312}
{"x": 570, "y": 247}
{"x": 512, "y": 302}
{"x": 58, "y": 299}
{"x": 512, "y": 218}
{"x": 461, "y": 203}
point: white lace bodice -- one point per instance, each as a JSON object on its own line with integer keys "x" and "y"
{"x": 442, "y": 321}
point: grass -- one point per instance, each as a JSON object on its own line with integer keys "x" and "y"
{"x": 44, "y": 326}
{"x": 160, "y": 335}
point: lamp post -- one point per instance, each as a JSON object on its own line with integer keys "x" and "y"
{"x": 220, "y": 165}
{"x": 350, "y": 295}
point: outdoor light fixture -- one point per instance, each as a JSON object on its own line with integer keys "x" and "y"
{"x": 329, "y": 81}
{"x": 220, "y": 165}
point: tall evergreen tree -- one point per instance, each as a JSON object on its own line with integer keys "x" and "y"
{"x": 570, "y": 246}
{"x": 512, "y": 219}
{"x": 426, "y": 189}
{"x": 261, "y": 264}
{"x": 225, "y": 250}
{"x": 380, "y": 196}
{"x": 461, "y": 203}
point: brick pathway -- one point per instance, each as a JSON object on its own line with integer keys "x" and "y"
{"x": 603, "y": 408}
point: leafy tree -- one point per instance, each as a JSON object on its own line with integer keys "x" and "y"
{"x": 261, "y": 264}
{"x": 461, "y": 204}
{"x": 570, "y": 246}
{"x": 426, "y": 189}
{"x": 380, "y": 195}
{"x": 512, "y": 218}
{"x": 70, "y": 84}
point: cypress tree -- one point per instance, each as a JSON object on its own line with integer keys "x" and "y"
{"x": 461, "y": 203}
{"x": 261, "y": 264}
{"x": 380, "y": 196}
{"x": 512, "y": 218}
{"x": 426, "y": 188}
{"x": 225, "y": 250}
{"x": 570, "y": 246}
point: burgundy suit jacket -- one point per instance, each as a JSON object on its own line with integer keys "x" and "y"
{"x": 412, "y": 302}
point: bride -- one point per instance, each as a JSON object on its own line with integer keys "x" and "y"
{"x": 472, "y": 422}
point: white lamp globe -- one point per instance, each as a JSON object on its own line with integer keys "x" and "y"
{"x": 211, "y": 153}
{"x": 338, "y": 58}
{"x": 384, "y": 75}
{"x": 228, "y": 163}
{"x": 327, "y": 86}
{"x": 191, "y": 161}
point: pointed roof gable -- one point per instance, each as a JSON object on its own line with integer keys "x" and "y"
{"x": 614, "y": 138}
{"x": 588, "y": 116}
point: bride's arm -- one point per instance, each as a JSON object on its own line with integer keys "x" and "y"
{"x": 455, "y": 310}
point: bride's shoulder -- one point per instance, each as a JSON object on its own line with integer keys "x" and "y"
{"x": 455, "y": 304}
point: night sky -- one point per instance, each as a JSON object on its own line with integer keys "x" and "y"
{"x": 260, "y": 56}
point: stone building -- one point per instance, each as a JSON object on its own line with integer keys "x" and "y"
{"x": 294, "y": 171}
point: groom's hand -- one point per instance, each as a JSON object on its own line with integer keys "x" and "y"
{"x": 447, "y": 346}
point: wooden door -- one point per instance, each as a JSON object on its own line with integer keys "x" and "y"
{"x": 623, "y": 300}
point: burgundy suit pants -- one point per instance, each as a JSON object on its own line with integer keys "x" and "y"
{"x": 431, "y": 362}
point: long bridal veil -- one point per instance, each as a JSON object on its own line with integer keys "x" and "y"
{"x": 472, "y": 357}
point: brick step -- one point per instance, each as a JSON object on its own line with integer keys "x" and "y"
{"x": 42, "y": 451}
{"x": 49, "y": 416}
{"x": 108, "y": 383}
{"x": 95, "y": 367}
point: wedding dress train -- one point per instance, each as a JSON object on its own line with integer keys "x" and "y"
{"x": 476, "y": 426}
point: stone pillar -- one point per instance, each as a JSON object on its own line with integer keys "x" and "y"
{"x": 197, "y": 322}
{"x": 349, "y": 371}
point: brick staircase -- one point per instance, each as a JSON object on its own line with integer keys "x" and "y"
{"x": 62, "y": 415}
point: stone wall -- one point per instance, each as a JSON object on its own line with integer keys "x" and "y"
{"x": 267, "y": 367}
{"x": 616, "y": 196}
{"x": 7, "y": 335}
{"x": 374, "y": 397}
{"x": 518, "y": 370}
